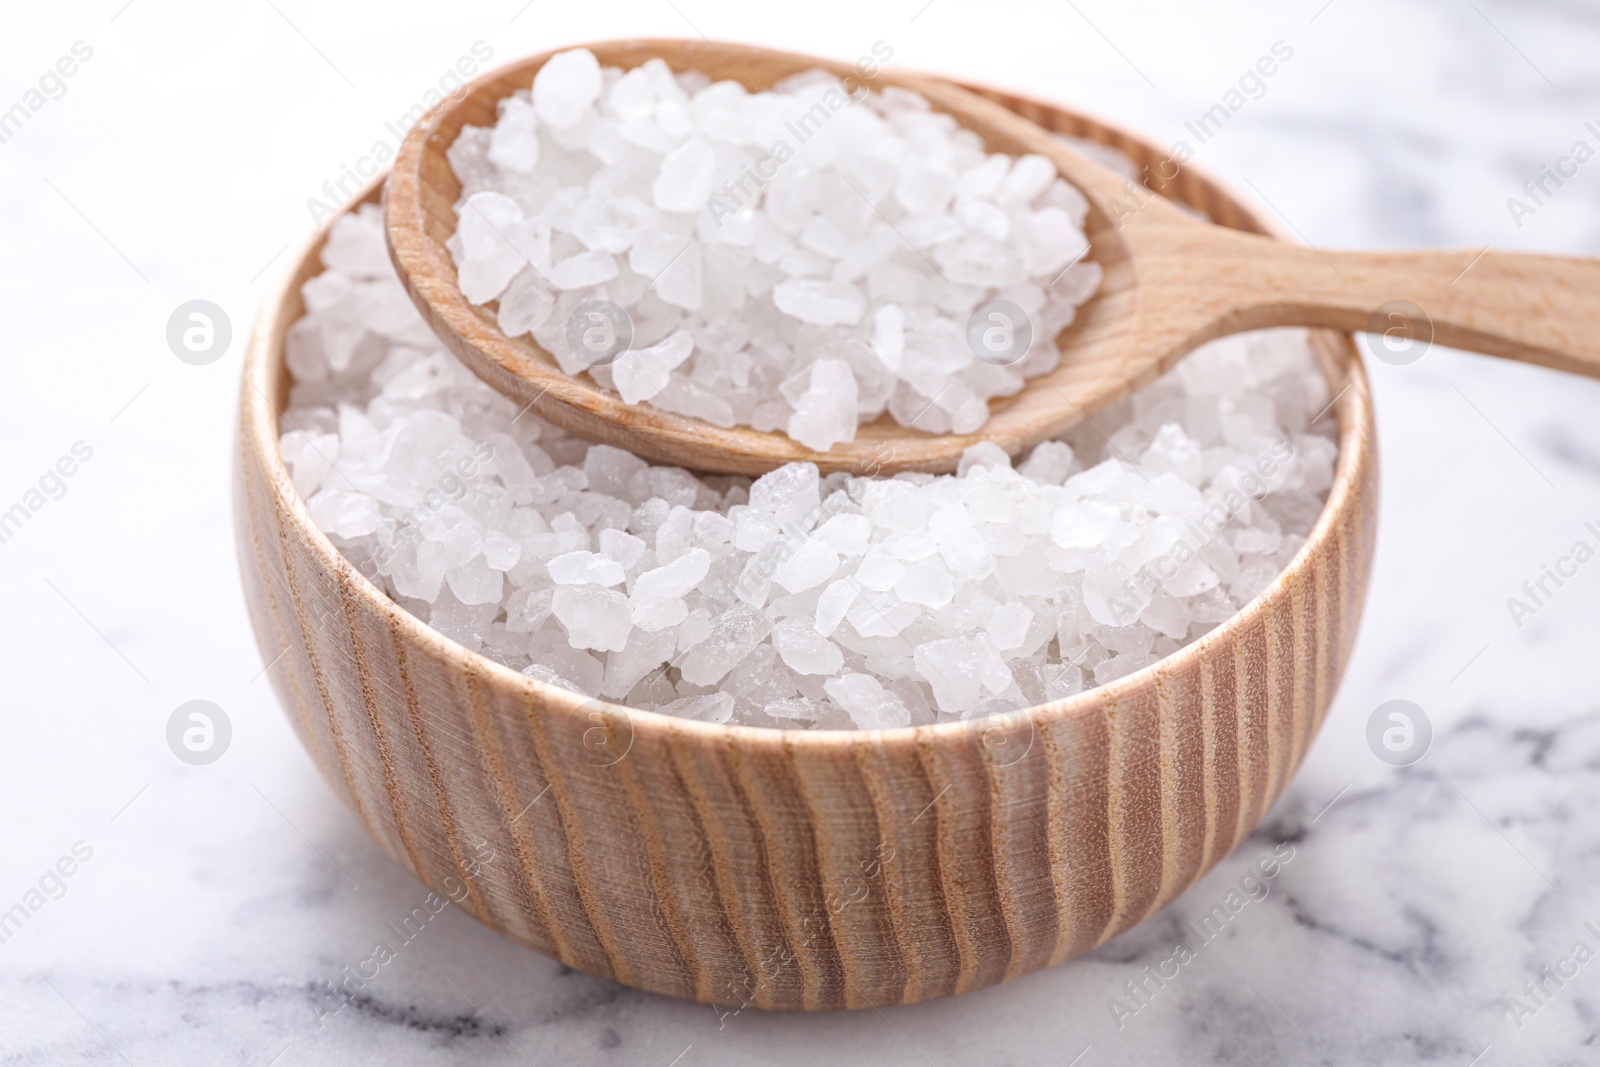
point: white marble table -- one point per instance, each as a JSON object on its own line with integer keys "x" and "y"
{"x": 216, "y": 900}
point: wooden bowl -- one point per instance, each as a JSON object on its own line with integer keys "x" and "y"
{"x": 789, "y": 868}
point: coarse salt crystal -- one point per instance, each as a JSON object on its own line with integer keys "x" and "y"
{"x": 565, "y": 87}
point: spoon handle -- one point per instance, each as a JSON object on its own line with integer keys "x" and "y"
{"x": 1532, "y": 308}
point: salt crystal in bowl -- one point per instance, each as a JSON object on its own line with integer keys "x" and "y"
{"x": 784, "y": 868}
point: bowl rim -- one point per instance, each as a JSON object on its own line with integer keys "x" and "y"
{"x": 265, "y": 365}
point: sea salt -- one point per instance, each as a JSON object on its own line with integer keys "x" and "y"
{"x": 793, "y": 260}
{"x": 796, "y": 600}
{"x": 867, "y": 702}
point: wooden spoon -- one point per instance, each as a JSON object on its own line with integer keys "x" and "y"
{"x": 1171, "y": 282}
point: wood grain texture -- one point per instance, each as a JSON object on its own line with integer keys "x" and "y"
{"x": 795, "y": 869}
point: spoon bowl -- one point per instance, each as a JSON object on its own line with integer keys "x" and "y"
{"x": 420, "y": 213}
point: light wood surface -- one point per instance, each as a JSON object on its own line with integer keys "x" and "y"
{"x": 794, "y": 869}
{"x": 1172, "y": 282}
